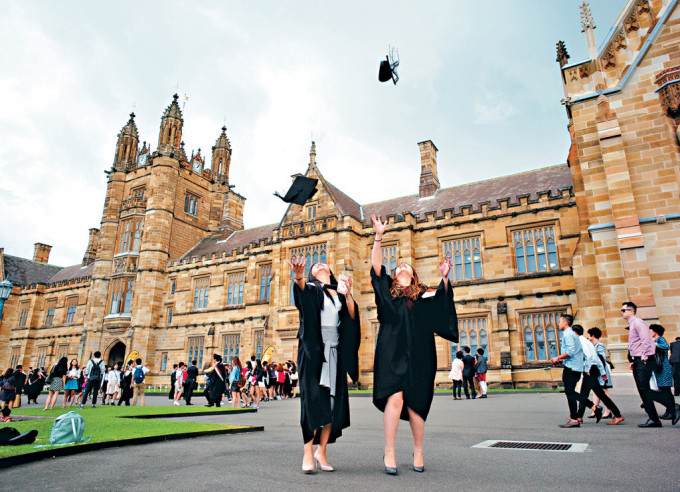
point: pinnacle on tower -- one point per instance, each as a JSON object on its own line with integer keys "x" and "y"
{"x": 125, "y": 158}
{"x": 171, "y": 128}
{"x": 221, "y": 157}
{"x": 587, "y": 26}
{"x": 312, "y": 155}
{"x": 562, "y": 55}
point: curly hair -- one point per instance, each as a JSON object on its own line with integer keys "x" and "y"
{"x": 411, "y": 291}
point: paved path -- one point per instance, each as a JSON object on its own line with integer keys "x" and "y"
{"x": 618, "y": 457}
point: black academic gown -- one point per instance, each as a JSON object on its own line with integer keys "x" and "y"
{"x": 34, "y": 387}
{"x": 217, "y": 384}
{"x": 315, "y": 401}
{"x": 405, "y": 353}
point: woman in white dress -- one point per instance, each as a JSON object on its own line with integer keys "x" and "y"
{"x": 113, "y": 385}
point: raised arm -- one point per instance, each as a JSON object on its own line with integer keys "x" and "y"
{"x": 444, "y": 269}
{"x": 297, "y": 265}
{"x": 376, "y": 255}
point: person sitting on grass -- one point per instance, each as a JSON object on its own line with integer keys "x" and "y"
{"x": 5, "y": 415}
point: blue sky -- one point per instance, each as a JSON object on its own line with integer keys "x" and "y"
{"x": 477, "y": 78}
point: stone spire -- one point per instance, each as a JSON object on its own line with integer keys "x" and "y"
{"x": 588, "y": 26}
{"x": 125, "y": 158}
{"x": 221, "y": 157}
{"x": 429, "y": 182}
{"x": 312, "y": 155}
{"x": 562, "y": 55}
{"x": 170, "y": 137}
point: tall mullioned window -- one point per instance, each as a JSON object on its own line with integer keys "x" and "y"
{"x": 14, "y": 357}
{"x": 390, "y": 255}
{"x": 121, "y": 295}
{"x": 314, "y": 253}
{"x": 50, "y": 307}
{"x": 191, "y": 204}
{"x": 259, "y": 337}
{"x": 541, "y": 336}
{"x": 201, "y": 292}
{"x": 42, "y": 357}
{"x": 535, "y": 249}
{"x": 235, "y": 287}
{"x": 71, "y": 304}
{"x": 23, "y": 313}
{"x": 130, "y": 235}
{"x": 472, "y": 332}
{"x": 466, "y": 258}
{"x": 196, "y": 350}
{"x": 231, "y": 347}
{"x": 265, "y": 282}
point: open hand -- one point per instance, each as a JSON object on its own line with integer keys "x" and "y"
{"x": 445, "y": 267}
{"x": 379, "y": 225}
{"x": 297, "y": 264}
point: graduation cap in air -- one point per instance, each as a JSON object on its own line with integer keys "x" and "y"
{"x": 388, "y": 67}
{"x": 300, "y": 191}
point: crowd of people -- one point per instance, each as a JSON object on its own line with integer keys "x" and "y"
{"x": 468, "y": 371}
{"x": 96, "y": 379}
{"x": 233, "y": 382}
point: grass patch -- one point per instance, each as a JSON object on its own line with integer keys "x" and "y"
{"x": 107, "y": 423}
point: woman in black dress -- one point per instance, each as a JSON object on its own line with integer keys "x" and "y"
{"x": 328, "y": 348}
{"x": 405, "y": 355}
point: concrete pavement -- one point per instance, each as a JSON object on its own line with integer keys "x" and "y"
{"x": 620, "y": 457}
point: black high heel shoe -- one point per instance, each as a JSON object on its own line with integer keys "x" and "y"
{"x": 388, "y": 469}
{"x": 419, "y": 469}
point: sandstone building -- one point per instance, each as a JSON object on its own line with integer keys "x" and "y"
{"x": 173, "y": 274}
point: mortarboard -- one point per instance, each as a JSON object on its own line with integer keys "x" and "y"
{"x": 300, "y": 191}
{"x": 388, "y": 67}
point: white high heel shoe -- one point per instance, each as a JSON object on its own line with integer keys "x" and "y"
{"x": 325, "y": 468}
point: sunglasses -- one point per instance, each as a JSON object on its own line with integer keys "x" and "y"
{"x": 625, "y": 309}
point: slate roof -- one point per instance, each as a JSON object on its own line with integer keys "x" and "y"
{"x": 21, "y": 271}
{"x": 73, "y": 272}
{"x": 491, "y": 190}
{"x": 236, "y": 240}
{"x": 529, "y": 183}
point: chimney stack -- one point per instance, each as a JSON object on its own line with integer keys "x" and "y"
{"x": 92, "y": 245}
{"x": 41, "y": 252}
{"x": 429, "y": 182}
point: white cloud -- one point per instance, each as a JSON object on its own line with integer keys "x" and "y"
{"x": 492, "y": 107}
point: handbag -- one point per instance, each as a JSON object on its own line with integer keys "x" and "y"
{"x": 7, "y": 386}
{"x": 659, "y": 357}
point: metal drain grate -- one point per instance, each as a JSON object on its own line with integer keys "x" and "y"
{"x": 539, "y": 446}
{"x": 569, "y": 447}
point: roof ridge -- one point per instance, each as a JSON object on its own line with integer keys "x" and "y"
{"x": 33, "y": 261}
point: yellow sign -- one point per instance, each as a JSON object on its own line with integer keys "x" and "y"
{"x": 131, "y": 356}
{"x": 268, "y": 354}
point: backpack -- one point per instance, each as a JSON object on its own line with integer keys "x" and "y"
{"x": 139, "y": 374}
{"x": 241, "y": 379}
{"x": 68, "y": 429}
{"x": 96, "y": 371}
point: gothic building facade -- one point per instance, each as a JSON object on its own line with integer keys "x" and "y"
{"x": 173, "y": 274}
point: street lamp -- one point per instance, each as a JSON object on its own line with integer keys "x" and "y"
{"x": 5, "y": 291}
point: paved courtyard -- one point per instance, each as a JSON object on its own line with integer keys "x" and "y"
{"x": 617, "y": 457}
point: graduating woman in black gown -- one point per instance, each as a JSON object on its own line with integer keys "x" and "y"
{"x": 329, "y": 339}
{"x": 405, "y": 355}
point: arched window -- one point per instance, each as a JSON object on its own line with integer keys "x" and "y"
{"x": 473, "y": 342}
{"x": 529, "y": 343}
{"x": 552, "y": 341}
{"x": 477, "y": 260}
{"x": 484, "y": 342}
{"x": 519, "y": 254}
{"x": 393, "y": 264}
{"x": 552, "y": 254}
{"x": 468, "y": 264}
{"x": 540, "y": 344}
{"x": 531, "y": 258}
{"x": 458, "y": 261}
{"x": 463, "y": 339}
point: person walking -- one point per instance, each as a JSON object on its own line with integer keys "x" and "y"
{"x": 56, "y": 380}
{"x": 94, "y": 372}
{"x": 405, "y": 361}
{"x": 456, "y": 374}
{"x": 663, "y": 372}
{"x": 329, "y": 336}
{"x": 605, "y": 378}
{"x": 236, "y": 382}
{"x": 592, "y": 369}
{"x": 469, "y": 374}
{"x": 126, "y": 386}
{"x": 173, "y": 379}
{"x": 179, "y": 383}
{"x": 674, "y": 360}
{"x": 190, "y": 383}
{"x": 36, "y": 381}
{"x": 19, "y": 382}
{"x": 641, "y": 349}
{"x": 139, "y": 373}
{"x": 480, "y": 370}
{"x": 71, "y": 386}
{"x": 8, "y": 385}
{"x": 112, "y": 385}
{"x": 572, "y": 357}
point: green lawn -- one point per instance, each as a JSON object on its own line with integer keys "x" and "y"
{"x": 108, "y": 423}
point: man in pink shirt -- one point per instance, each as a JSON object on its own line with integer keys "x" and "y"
{"x": 641, "y": 350}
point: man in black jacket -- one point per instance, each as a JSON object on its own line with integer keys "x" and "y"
{"x": 675, "y": 364}
{"x": 19, "y": 381}
{"x": 190, "y": 383}
{"x": 173, "y": 380}
{"x": 469, "y": 373}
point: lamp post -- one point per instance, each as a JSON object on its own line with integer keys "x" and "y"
{"x": 5, "y": 291}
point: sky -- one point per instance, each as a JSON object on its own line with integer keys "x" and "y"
{"x": 479, "y": 79}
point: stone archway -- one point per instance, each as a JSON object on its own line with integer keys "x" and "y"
{"x": 116, "y": 354}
